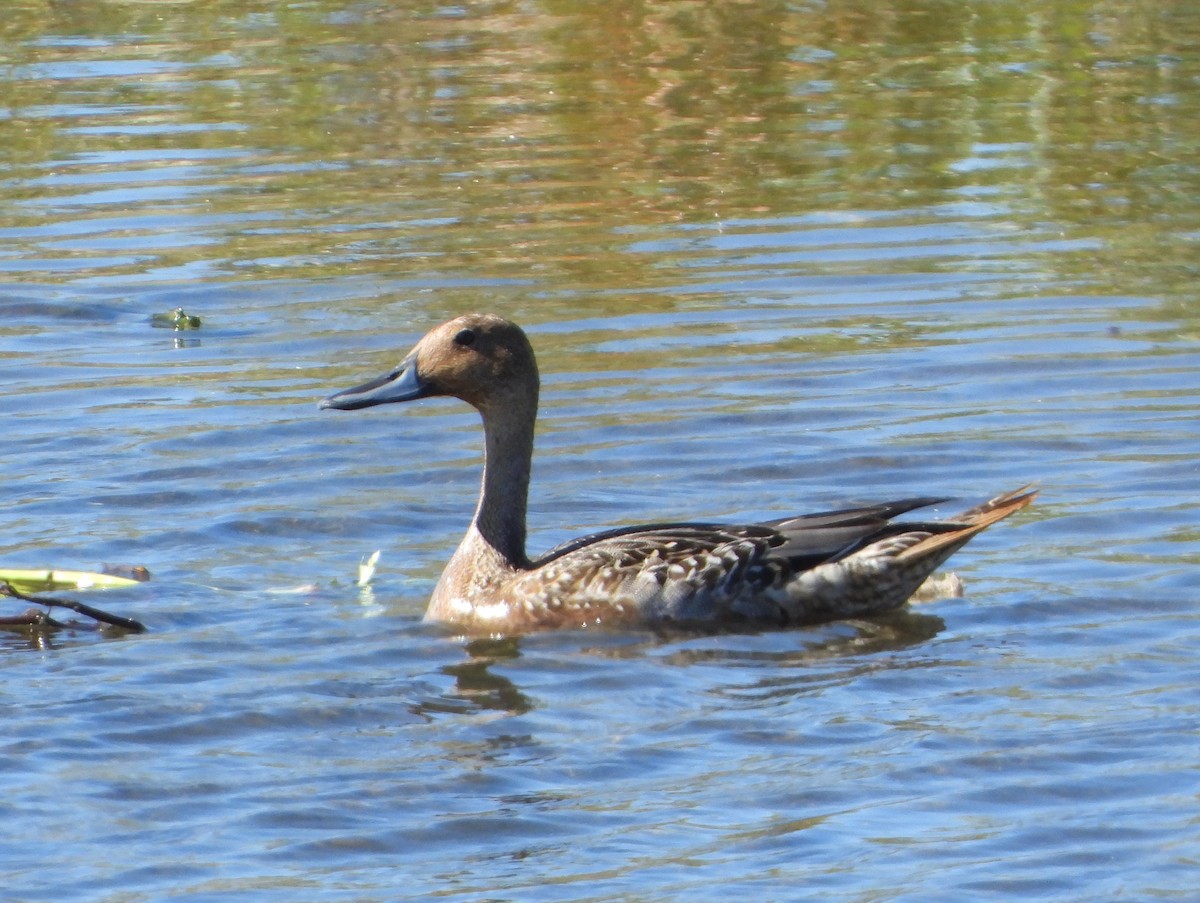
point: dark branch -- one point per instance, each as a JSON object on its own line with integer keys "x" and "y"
{"x": 34, "y": 617}
{"x": 7, "y": 589}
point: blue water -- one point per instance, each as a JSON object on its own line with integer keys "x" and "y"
{"x": 743, "y": 306}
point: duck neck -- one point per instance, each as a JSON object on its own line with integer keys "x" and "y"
{"x": 508, "y": 457}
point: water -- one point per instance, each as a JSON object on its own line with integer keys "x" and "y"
{"x": 774, "y": 259}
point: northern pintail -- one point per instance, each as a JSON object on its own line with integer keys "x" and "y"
{"x": 815, "y": 567}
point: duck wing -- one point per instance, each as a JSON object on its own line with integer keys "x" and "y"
{"x": 831, "y": 564}
{"x": 803, "y": 541}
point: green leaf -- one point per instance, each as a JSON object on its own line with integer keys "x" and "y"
{"x": 32, "y": 581}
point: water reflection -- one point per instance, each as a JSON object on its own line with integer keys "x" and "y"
{"x": 797, "y": 661}
{"x": 845, "y": 640}
{"x": 504, "y": 138}
{"x": 26, "y": 638}
{"x": 476, "y": 686}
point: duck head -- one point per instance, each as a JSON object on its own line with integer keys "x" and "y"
{"x": 483, "y": 359}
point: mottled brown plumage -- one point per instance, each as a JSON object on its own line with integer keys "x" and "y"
{"x": 803, "y": 569}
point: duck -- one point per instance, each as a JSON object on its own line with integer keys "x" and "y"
{"x": 803, "y": 569}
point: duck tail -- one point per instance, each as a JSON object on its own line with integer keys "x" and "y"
{"x": 970, "y": 522}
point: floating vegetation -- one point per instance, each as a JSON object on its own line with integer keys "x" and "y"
{"x": 178, "y": 319}
{"x": 366, "y": 569}
{"x": 34, "y": 581}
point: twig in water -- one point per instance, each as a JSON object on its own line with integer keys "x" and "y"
{"x": 7, "y": 589}
{"x": 34, "y": 617}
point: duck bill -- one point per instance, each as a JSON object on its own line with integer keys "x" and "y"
{"x": 402, "y": 384}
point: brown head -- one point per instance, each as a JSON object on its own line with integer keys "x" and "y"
{"x": 483, "y": 359}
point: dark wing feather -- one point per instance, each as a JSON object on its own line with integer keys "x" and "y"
{"x": 803, "y": 542}
{"x": 813, "y": 538}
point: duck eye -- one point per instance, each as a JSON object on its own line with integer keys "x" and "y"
{"x": 465, "y": 337}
